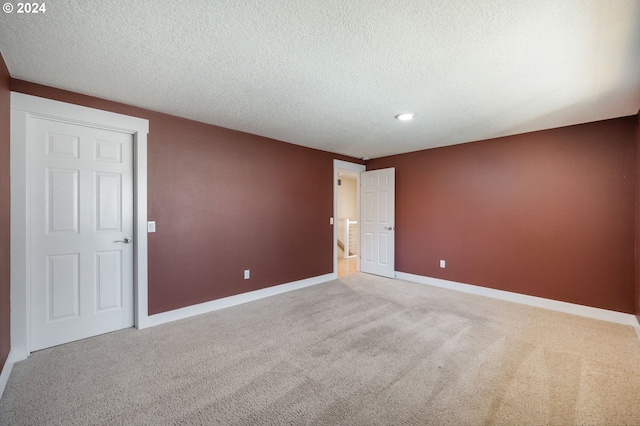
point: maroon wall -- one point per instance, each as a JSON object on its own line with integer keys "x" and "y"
{"x": 637, "y": 294}
{"x": 225, "y": 201}
{"x": 5, "y": 214}
{"x": 549, "y": 213}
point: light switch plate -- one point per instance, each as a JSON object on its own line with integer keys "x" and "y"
{"x": 151, "y": 226}
{"x": 442, "y": 264}
{"x": 330, "y": 221}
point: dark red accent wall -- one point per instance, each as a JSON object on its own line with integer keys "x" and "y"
{"x": 5, "y": 214}
{"x": 637, "y": 294}
{"x": 225, "y": 201}
{"x": 548, "y": 214}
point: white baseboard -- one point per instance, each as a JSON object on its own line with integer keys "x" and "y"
{"x": 238, "y": 299}
{"x": 6, "y": 371}
{"x": 539, "y": 302}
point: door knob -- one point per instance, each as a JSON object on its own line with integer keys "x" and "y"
{"x": 127, "y": 240}
{"x": 389, "y": 228}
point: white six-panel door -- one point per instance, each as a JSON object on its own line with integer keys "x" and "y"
{"x": 81, "y": 212}
{"x": 377, "y": 240}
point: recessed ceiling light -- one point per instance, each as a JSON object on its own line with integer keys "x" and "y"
{"x": 405, "y": 116}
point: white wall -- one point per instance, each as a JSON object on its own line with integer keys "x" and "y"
{"x": 347, "y": 203}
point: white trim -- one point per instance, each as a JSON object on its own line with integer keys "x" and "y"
{"x": 636, "y": 327}
{"x": 238, "y": 299}
{"x": 24, "y": 107}
{"x": 6, "y": 372}
{"x": 539, "y": 302}
{"x": 353, "y": 167}
{"x": 140, "y": 255}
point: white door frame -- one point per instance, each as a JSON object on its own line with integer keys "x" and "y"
{"x": 353, "y": 167}
{"x": 23, "y": 108}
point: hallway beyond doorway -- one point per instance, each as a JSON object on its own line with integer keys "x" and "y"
{"x": 346, "y": 266}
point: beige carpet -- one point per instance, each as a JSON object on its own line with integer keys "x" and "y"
{"x": 362, "y": 350}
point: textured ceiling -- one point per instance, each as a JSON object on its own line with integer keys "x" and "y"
{"x": 332, "y": 74}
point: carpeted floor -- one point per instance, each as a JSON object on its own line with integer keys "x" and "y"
{"x": 361, "y": 350}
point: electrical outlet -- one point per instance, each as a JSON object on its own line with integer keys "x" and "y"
{"x": 442, "y": 263}
{"x": 151, "y": 226}
{"x": 330, "y": 221}
{"x": 247, "y": 274}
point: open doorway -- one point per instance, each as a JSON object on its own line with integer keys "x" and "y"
{"x": 347, "y": 215}
{"x": 348, "y": 235}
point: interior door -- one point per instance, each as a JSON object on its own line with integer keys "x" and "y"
{"x": 377, "y": 240}
{"x": 81, "y": 253}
